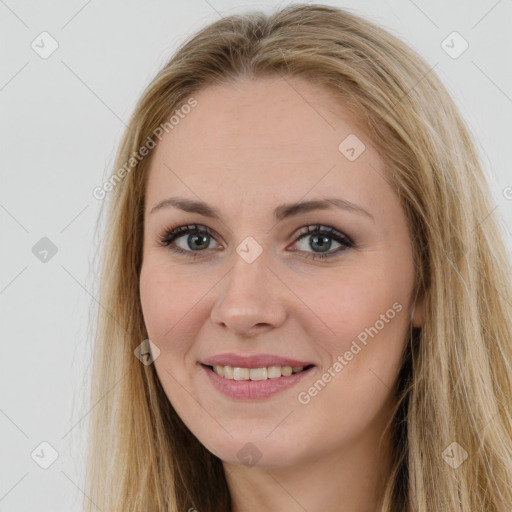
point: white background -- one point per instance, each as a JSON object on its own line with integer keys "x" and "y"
{"x": 61, "y": 120}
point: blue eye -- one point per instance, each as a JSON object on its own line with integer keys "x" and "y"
{"x": 321, "y": 237}
{"x": 199, "y": 238}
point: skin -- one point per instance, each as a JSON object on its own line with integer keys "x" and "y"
{"x": 246, "y": 148}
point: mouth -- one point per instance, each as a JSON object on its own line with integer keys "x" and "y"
{"x": 256, "y": 374}
{"x": 241, "y": 383}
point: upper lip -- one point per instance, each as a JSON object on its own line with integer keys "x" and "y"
{"x": 253, "y": 361}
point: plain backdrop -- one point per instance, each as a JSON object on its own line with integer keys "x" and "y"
{"x": 62, "y": 117}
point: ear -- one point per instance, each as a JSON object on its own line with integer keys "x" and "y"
{"x": 418, "y": 312}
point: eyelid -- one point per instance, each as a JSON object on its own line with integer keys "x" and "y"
{"x": 323, "y": 229}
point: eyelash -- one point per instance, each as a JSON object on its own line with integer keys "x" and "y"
{"x": 170, "y": 235}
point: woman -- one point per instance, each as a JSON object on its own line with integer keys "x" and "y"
{"x": 275, "y": 374}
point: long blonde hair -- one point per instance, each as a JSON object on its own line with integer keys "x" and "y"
{"x": 455, "y": 385}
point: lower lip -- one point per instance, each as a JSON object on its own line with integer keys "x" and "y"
{"x": 254, "y": 389}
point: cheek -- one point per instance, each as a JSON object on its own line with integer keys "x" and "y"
{"x": 351, "y": 304}
{"x": 165, "y": 303}
{"x": 367, "y": 309}
{"x": 368, "y": 314}
{"x": 154, "y": 296}
{"x": 169, "y": 318}
{"x": 175, "y": 308}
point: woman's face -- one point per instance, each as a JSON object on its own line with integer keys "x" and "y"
{"x": 256, "y": 286}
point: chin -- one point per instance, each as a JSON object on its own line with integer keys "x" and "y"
{"x": 254, "y": 452}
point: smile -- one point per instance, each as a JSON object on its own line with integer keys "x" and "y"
{"x": 254, "y": 383}
{"x": 269, "y": 372}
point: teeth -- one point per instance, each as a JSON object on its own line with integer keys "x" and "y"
{"x": 221, "y": 371}
{"x": 274, "y": 372}
{"x": 258, "y": 374}
{"x": 270, "y": 372}
{"x": 241, "y": 373}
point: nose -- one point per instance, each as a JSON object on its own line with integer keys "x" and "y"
{"x": 251, "y": 299}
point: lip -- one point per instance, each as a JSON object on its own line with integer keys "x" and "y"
{"x": 254, "y": 389}
{"x": 253, "y": 361}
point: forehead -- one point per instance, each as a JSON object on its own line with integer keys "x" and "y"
{"x": 265, "y": 137}
{"x": 264, "y": 113}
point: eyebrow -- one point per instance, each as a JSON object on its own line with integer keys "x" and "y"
{"x": 282, "y": 212}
